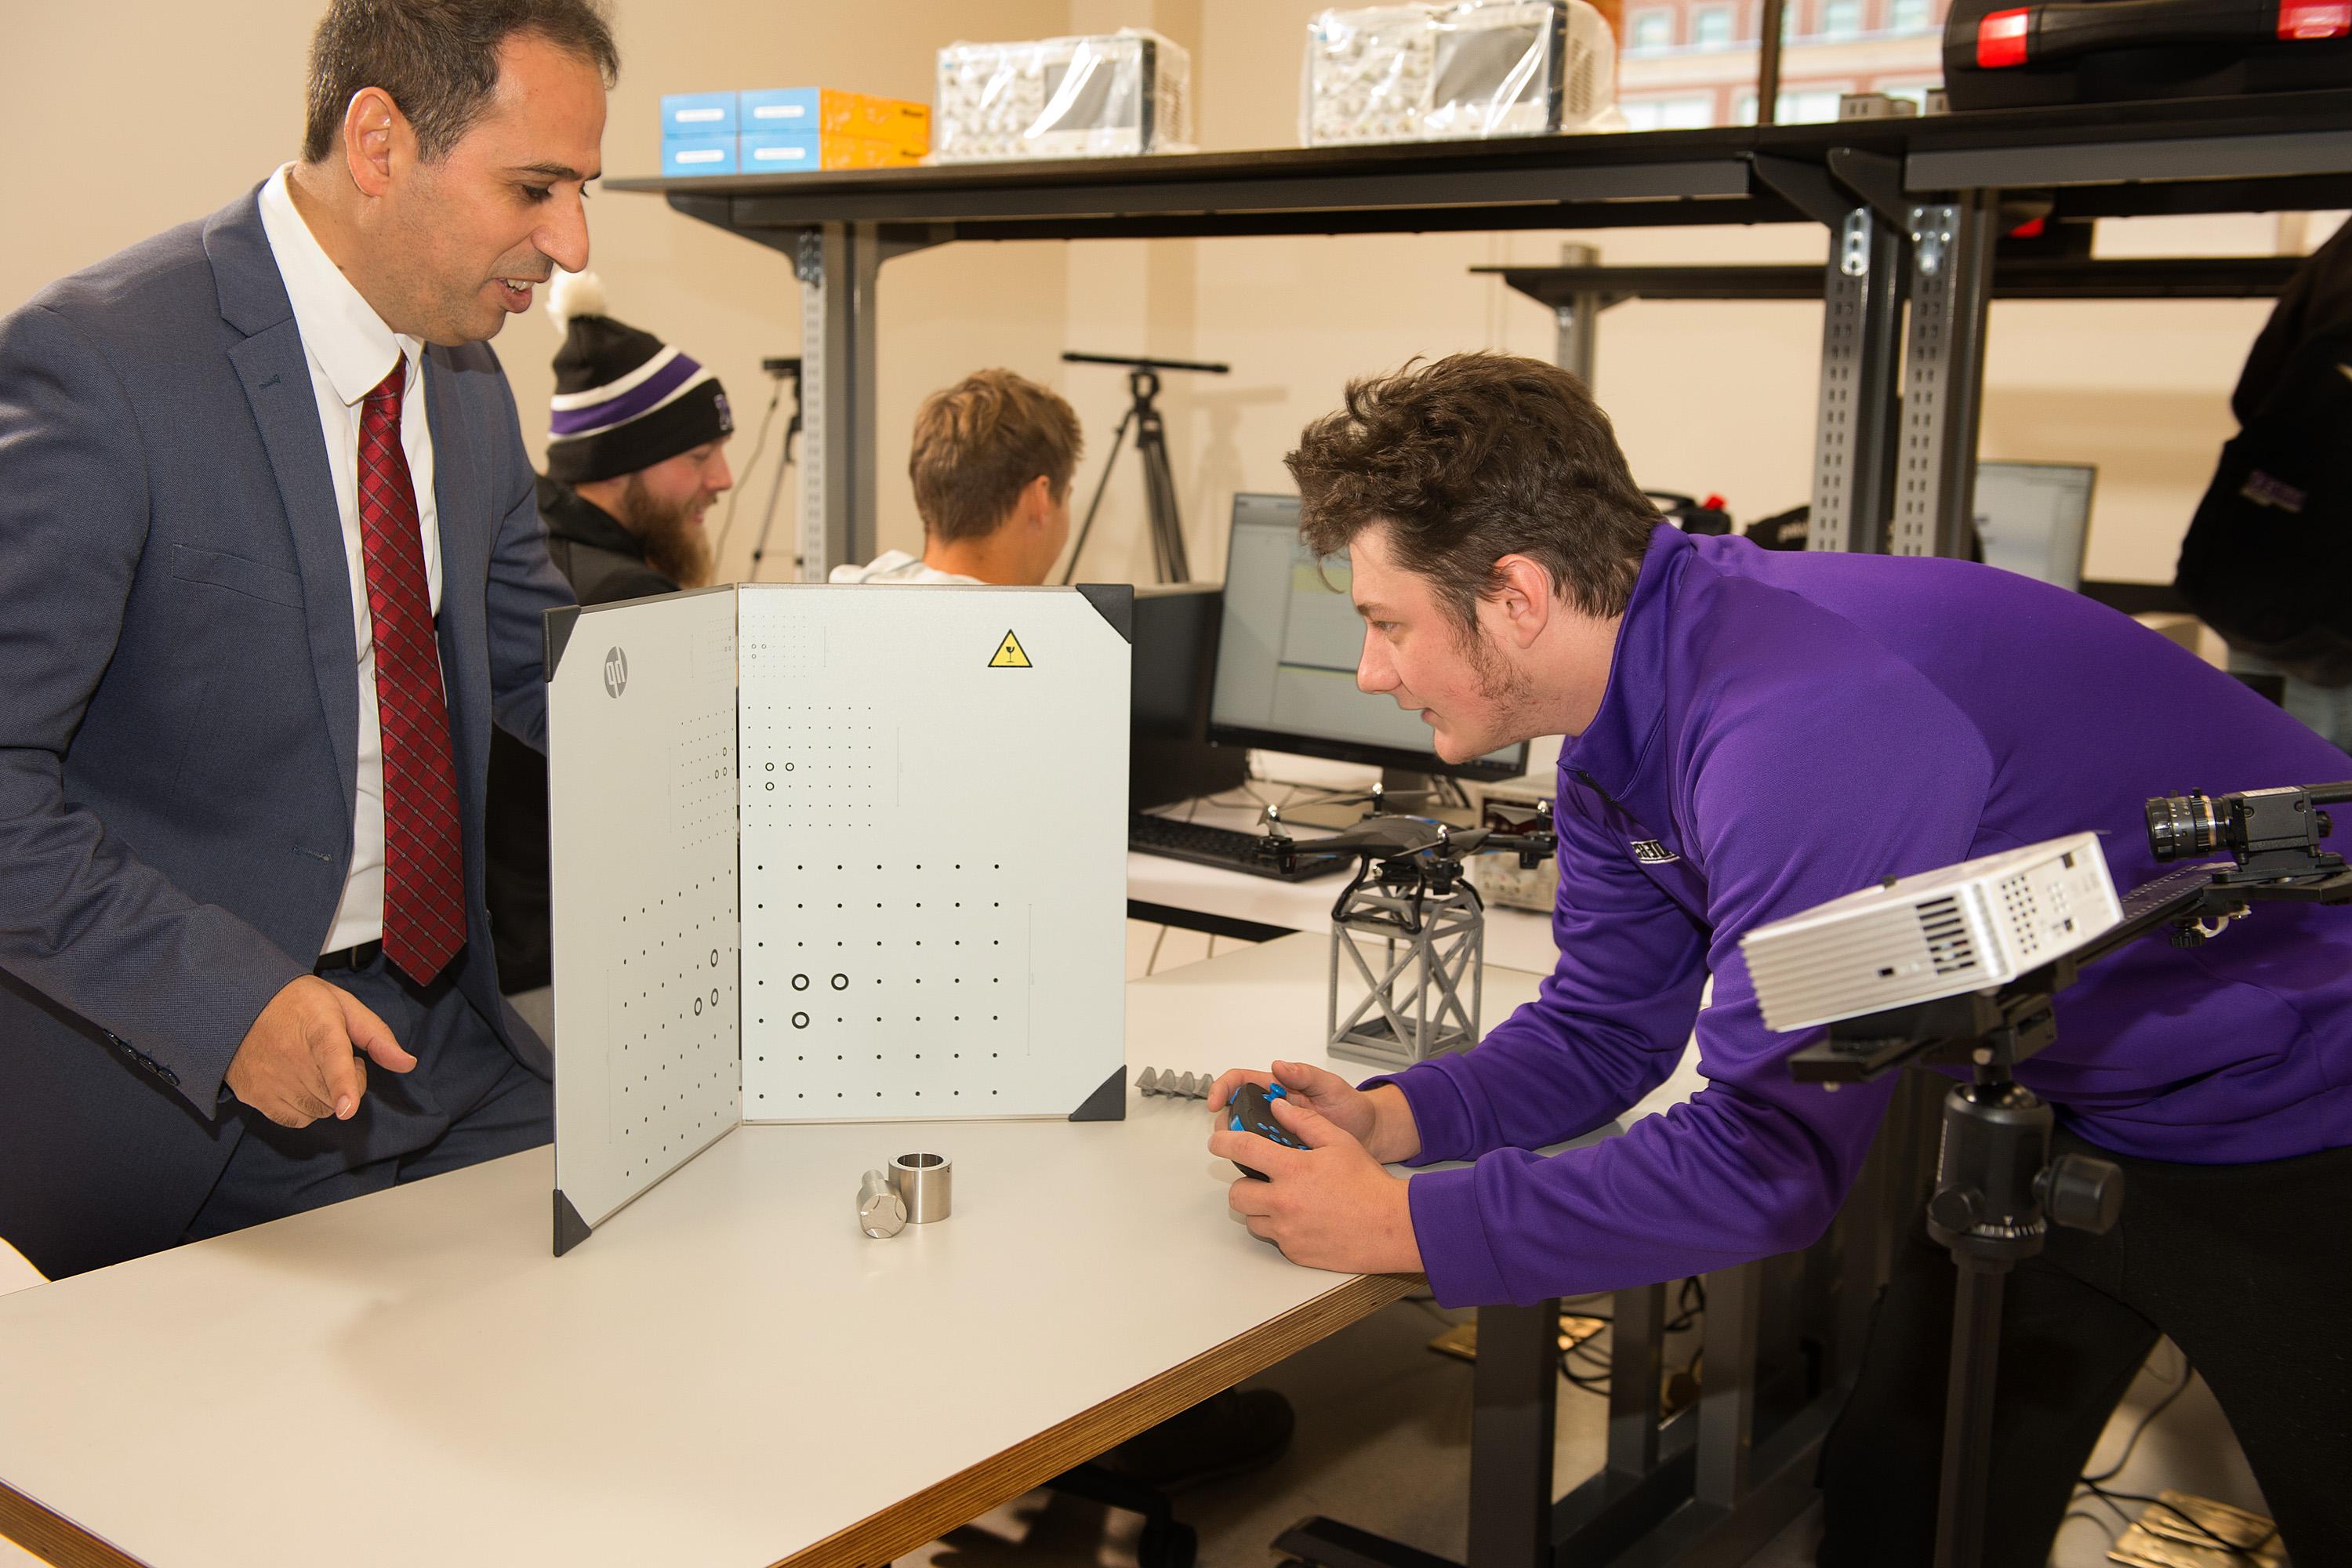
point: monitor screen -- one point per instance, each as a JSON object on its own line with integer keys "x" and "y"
{"x": 1169, "y": 756}
{"x": 1175, "y": 644}
{"x": 2032, "y": 517}
{"x": 1286, "y": 651}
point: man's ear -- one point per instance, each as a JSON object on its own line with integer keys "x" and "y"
{"x": 375, "y": 136}
{"x": 1037, "y": 501}
{"x": 1520, "y": 599}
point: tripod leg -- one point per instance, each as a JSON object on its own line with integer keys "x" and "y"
{"x": 775, "y": 493}
{"x": 1179, "y": 567}
{"x": 1159, "y": 497}
{"x": 1110, "y": 461}
{"x": 1967, "y": 1414}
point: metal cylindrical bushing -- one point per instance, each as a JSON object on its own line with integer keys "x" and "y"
{"x": 927, "y": 1183}
{"x": 881, "y": 1212}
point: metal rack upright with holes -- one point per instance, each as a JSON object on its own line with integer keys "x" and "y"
{"x": 1911, "y": 205}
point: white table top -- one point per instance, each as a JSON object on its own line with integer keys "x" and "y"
{"x": 727, "y": 1372}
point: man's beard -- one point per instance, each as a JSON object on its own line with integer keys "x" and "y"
{"x": 672, "y": 536}
{"x": 1510, "y": 691}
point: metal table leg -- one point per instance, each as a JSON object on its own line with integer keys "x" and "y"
{"x": 1862, "y": 314}
{"x": 1951, "y": 274}
{"x": 1516, "y": 1401}
{"x": 837, "y": 266}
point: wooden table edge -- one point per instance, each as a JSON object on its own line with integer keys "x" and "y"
{"x": 52, "y": 1537}
{"x": 927, "y": 1515}
{"x": 884, "y": 1537}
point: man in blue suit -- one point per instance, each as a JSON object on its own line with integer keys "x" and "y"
{"x": 270, "y": 569}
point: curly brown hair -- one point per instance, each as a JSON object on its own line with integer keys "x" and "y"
{"x": 979, "y": 442}
{"x": 1467, "y": 459}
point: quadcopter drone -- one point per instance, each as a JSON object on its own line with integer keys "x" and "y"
{"x": 1411, "y": 859}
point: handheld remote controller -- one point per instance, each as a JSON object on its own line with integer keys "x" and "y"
{"x": 1252, "y": 1111}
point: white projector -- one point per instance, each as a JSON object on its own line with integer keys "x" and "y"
{"x": 1962, "y": 928}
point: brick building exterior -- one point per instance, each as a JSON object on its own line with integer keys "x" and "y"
{"x": 1692, "y": 63}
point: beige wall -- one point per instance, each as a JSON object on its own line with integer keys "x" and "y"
{"x": 1704, "y": 397}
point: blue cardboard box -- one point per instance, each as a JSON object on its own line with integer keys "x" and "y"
{"x": 775, "y": 151}
{"x": 777, "y": 109}
{"x": 699, "y": 114}
{"x": 687, "y": 155}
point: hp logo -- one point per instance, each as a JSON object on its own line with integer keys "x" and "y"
{"x": 616, "y": 672}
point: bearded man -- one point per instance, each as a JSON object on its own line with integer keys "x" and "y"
{"x": 637, "y": 444}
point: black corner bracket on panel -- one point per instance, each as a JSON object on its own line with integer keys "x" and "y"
{"x": 557, "y": 630}
{"x": 1107, "y": 1103}
{"x": 1115, "y": 602}
{"x": 570, "y": 1230}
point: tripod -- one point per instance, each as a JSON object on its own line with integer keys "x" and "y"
{"x": 1169, "y": 564}
{"x": 1997, "y": 1189}
{"x": 1997, "y": 1193}
{"x": 786, "y": 371}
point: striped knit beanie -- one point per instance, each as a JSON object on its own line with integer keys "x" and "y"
{"x": 624, "y": 399}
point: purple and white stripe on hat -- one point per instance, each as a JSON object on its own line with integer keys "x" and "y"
{"x": 661, "y": 380}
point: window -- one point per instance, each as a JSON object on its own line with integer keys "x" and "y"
{"x": 1808, "y": 106}
{"x": 1789, "y": 19}
{"x": 1693, "y": 112}
{"x": 1840, "y": 18}
{"x": 1910, "y": 15}
{"x": 1711, "y": 26}
{"x": 1795, "y": 106}
{"x": 1653, "y": 29}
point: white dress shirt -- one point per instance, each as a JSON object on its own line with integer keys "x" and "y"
{"x": 350, "y": 351}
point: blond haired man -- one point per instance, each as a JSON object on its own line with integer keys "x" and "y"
{"x": 992, "y": 460}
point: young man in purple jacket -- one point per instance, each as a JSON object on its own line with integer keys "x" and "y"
{"x": 1750, "y": 734}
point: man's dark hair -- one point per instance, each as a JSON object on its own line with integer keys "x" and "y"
{"x": 438, "y": 58}
{"x": 980, "y": 443}
{"x": 1470, "y": 458}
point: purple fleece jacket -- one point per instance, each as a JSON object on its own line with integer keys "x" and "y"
{"x": 1790, "y": 727}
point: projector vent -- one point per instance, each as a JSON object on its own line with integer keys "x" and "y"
{"x": 1948, "y": 947}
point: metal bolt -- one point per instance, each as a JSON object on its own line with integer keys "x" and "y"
{"x": 881, "y": 1212}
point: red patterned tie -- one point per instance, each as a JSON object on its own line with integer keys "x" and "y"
{"x": 423, "y": 877}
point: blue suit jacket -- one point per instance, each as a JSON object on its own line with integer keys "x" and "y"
{"x": 179, "y": 709}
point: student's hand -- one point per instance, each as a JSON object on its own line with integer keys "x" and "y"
{"x": 1379, "y": 1118}
{"x": 298, "y": 1061}
{"x": 1329, "y": 1205}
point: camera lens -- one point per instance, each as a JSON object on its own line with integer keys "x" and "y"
{"x": 2180, "y": 824}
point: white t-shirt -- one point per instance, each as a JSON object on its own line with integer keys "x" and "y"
{"x": 897, "y": 566}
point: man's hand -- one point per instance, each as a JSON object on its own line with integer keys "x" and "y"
{"x": 1329, "y": 1205}
{"x": 298, "y": 1061}
{"x": 1379, "y": 1119}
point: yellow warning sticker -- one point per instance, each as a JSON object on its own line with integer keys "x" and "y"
{"x": 1009, "y": 655}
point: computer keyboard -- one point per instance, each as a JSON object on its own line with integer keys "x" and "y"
{"x": 1224, "y": 846}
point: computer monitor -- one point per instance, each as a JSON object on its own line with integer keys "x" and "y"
{"x": 1169, "y": 754}
{"x": 2032, "y": 517}
{"x": 1286, "y": 651}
